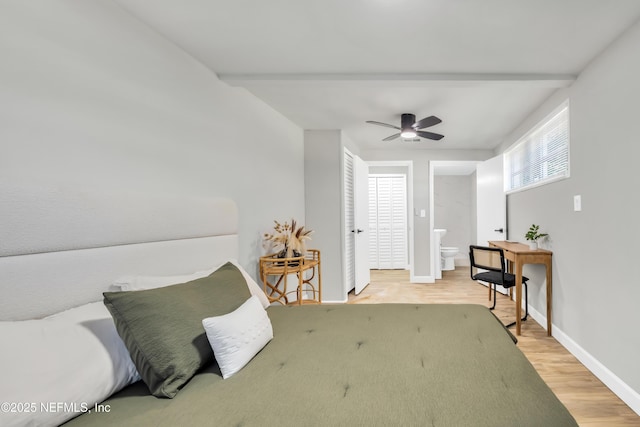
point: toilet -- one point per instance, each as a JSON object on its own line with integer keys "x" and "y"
{"x": 448, "y": 254}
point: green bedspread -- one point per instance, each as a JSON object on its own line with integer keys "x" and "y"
{"x": 361, "y": 365}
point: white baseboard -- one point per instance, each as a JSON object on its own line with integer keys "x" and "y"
{"x": 422, "y": 279}
{"x": 611, "y": 380}
{"x": 344, "y": 301}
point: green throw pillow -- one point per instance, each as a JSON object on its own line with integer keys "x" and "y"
{"x": 162, "y": 328}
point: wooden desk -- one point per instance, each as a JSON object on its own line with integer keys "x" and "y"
{"x": 281, "y": 268}
{"x": 519, "y": 254}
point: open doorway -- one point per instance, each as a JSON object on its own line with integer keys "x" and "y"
{"x": 393, "y": 173}
{"x": 453, "y": 207}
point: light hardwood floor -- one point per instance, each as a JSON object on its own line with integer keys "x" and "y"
{"x": 587, "y": 398}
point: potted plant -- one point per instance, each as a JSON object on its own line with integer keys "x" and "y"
{"x": 289, "y": 239}
{"x": 533, "y": 235}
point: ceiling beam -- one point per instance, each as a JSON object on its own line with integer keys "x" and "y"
{"x": 404, "y": 79}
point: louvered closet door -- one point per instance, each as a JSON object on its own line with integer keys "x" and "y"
{"x": 385, "y": 258}
{"x": 356, "y": 251}
{"x": 398, "y": 222}
{"x": 373, "y": 223}
{"x": 388, "y": 217}
{"x": 349, "y": 223}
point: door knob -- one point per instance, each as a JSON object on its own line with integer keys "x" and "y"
{"x": 359, "y": 231}
{"x": 500, "y": 230}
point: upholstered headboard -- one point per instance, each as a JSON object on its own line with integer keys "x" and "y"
{"x": 60, "y": 248}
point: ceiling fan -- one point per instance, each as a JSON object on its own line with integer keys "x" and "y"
{"x": 409, "y": 128}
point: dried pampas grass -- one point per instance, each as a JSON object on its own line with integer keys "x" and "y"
{"x": 288, "y": 237}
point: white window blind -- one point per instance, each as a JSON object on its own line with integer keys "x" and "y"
{"x": 542, "y": 155}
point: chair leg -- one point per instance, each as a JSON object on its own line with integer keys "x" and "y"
{"x": 526, "y": 301}
{"x": 492, "y": 285}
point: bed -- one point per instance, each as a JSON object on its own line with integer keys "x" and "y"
{"x": 387, "y": 364}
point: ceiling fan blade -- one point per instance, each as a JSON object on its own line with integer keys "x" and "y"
{"x": 426, "y": 122}
{"x": 429, "y": 135}
{"x": 383, "y": 124}
{"x": 394, "y": 136}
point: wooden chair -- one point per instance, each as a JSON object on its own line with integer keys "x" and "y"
{"x": 491, "y": 260}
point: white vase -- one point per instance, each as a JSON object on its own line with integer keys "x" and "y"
{"x": 533, "y": 245}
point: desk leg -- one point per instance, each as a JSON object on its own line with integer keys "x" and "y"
{"x": 518, "y": 268}
{"x": 549, "y": 296}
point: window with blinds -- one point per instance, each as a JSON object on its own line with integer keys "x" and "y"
{"x": 541, "y": 156}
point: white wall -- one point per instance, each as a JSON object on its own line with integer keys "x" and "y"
{"x": 92, "y": 99}
{"x": 595, "y": 291}
{"x": 323, "y": 160}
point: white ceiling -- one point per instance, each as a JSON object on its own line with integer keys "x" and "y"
{"x": 480, "y": 66}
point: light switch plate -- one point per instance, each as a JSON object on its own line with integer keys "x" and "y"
{"x": 577, "y": 203}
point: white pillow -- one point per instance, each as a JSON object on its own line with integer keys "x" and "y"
{"x": 238, "y": 336}
{"x": 139, "y": 283}
{"x": 75, "y": 357}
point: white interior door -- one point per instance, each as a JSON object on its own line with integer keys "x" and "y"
{"x": 384, "y": 241}
{"x": 361, "y": 223}
{"x": 388, "y": 221}
{"x": 349, "y": 224}
{"x": 399, "y": 222}
{"x": 491, "y": 203}
{"x": 373, "y": 223}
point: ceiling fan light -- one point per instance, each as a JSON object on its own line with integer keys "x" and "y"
{"x": 408, "y": 133}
